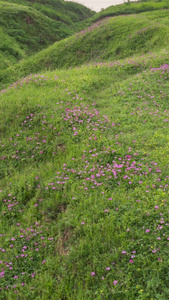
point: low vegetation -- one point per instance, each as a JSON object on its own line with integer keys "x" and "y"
{"x": 29, "y": 29}
{"x": 67, "y": 12}
{"x": 132, "y": 8}
{"x": 84, "y": 152}
{"x": 121, "y": 37}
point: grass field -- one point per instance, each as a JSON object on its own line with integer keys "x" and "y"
{"x": 84, "y": 179}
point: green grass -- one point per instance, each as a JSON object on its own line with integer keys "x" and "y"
{"x": 84, "y": 151}
{"x": 66, "y": 12}
{"x": 84, "y": 177}
{"x": 29, "y": 29}
{"x": 122, "y": 37}
{"x": 10, "y": 50}
{"x": 132, "y": 8}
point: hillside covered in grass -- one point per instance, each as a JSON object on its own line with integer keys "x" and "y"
{"x": 29, "y": 29}
{"x": 84, "y": 180}
{"x": 59, "y": 10}
{"x": 110, "y": 39}
{"x": 132, "y": 8}
{"x": 84, "y": 183}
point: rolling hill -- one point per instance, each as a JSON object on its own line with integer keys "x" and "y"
{"x": 121, "y": 37}
{"x": 59, "y": 10}
{"x": 84, "y": 183}
{"x": 29, "y": 29}
{"x": 131, "y": 8}
{"x": 84, "y": 151}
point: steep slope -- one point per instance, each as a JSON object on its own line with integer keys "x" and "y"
{"x": 26, "y": 29}
{"x": 10, "y": 50}
{"x": 67, "y": 12}
{"x": 110, "y": 39}
{"x": 29, "y": 29}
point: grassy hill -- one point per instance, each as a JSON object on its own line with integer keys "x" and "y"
{"x": 84, "y": 183}
{"x": 29, "y": 30}
{"x": 66, "y": 12}
{"x": 84, "y": 151}
{"x": 59, "y": 10}
{"x": 131, "y": 8}
{"x": 121, "y": 37}
{"x": 10, "y": 50}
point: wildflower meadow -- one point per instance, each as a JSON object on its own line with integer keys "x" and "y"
{"x": 84, "y": 181}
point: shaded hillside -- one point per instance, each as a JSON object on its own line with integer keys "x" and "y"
{"x": 26, "y": 30}
{"x": 59, "y": 10}
{"x": 10, "y": 50}
{"x": 109, "y": 39}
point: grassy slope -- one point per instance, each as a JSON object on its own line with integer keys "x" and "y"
{"x": 131, "y": 8}
{"x": 84, "y": 183}
{"x": 66, "y": 12}
{"x": 29, "y": 29}
{"x": 84, "y": 169}
{"x": 122, "y": 37}
{"x": 10, "y": 50}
